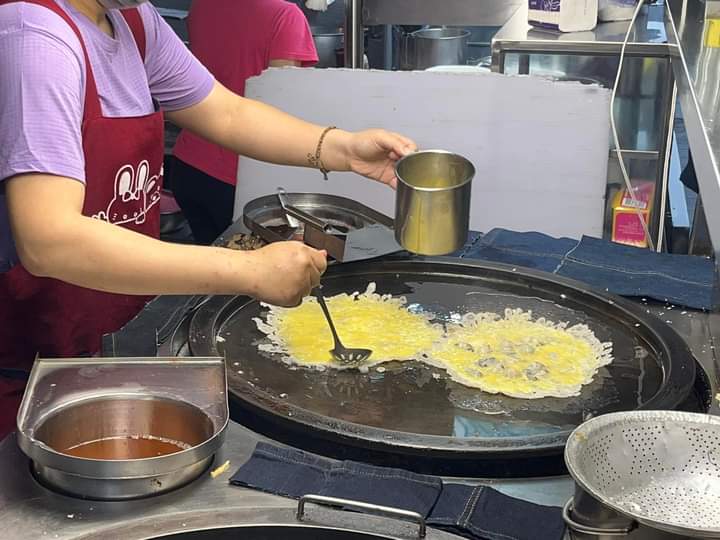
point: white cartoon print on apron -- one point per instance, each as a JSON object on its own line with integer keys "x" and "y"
{"x": 136, "y": 192}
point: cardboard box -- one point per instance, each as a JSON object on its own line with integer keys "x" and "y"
{"x": 627, "y": 227}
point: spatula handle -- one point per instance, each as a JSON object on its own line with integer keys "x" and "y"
{"x": 321, "y": 300}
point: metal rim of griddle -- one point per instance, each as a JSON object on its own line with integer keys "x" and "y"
{"x": 677, "y": 363}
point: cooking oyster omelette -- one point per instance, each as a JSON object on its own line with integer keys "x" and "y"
{"x": 511, "y": 354}
{"x": 520, "y": 357}
{"x": 370, "y": 320}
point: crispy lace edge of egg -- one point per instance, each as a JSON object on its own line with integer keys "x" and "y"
{"x": 601, "y": 351}
{"x": 279, "y": 346}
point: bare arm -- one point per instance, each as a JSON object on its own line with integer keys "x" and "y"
{"x": 259, "y": 131}
{"x": 256, "y": 130}
{"x": 95, "y": 254}
{"x": 285, "y": 63}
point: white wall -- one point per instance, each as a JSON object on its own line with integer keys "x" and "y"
{"x": 540, "y": 147}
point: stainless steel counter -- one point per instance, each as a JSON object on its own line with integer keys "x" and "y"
{"x": 28, "y": 511}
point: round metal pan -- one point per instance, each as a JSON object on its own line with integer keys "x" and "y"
{"x": 265, "y": 217}
{"x": 410, "y": 415}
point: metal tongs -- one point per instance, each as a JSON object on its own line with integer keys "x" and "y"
{"x": 369, "y": 242}
{"x": 317, "y": 233}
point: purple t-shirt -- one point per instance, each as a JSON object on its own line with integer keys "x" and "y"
{"x": 42, "y": 87}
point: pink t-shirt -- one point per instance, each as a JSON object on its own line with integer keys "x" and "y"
{"x": 236, "y": 40}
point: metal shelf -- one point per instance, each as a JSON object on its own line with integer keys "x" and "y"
{"x": 693, "y": 29}
{"x": 517, "y": 36}
{"x": 453, "y": 12}
{"x": 646, "y": 132}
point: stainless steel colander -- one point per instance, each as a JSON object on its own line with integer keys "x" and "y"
{"x": 661, "y": 468}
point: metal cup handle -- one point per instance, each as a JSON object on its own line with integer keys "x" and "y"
{"x": 384, "y": 511}
{"x": 596, "y": 531}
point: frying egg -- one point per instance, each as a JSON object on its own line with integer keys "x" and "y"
{"x": 512, "y": 354}
{"x": 520, "y": 357}
{"x": 368, "y": 320}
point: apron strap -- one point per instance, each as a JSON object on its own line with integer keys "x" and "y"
{"x": 135, "y": 22}
{"x": 92, "y": 98}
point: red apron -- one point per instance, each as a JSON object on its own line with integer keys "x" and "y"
{"x": 123, "y": 170}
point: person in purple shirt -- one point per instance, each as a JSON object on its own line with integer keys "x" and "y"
{"x": 83, "y": 86}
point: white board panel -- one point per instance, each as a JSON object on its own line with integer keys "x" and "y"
{"x": 540, "y": 147}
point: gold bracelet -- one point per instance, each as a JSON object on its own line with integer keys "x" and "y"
{"x": 314, "y": 160}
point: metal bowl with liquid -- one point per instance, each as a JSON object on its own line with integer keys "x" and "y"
{"x": 120, "y": 428}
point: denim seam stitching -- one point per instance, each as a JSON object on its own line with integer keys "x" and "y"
{"x": 524, "y": 252}
{"x": 384, "y": 476}
{"x": 643, "y": 273}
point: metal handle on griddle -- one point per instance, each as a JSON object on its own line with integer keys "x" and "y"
{"x": 344, "y": 504}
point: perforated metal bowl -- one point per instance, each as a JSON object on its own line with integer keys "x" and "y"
{"x": 660, "y": 468}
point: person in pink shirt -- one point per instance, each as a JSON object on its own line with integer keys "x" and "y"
{"x": 235, "y": 40}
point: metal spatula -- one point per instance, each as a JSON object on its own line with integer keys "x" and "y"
{"x": 371, "y": 241}
{"x": 341, "y": 353}
{"x": 294, "y": 223}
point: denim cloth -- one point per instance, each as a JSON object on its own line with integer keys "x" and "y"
{"x": 482, "y": 513}
{"x": 531, "y": 249}
{"x": 680, "y": 279}
{"x": 475, "y": 512}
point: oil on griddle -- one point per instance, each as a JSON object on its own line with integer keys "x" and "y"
{"x": 512, "y": 353}
{"x": 412, "y": 397}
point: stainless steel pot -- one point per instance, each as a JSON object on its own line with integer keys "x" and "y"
{"x": 430, "y": 47}
{"x": 645, "y": 475}
{"x": 113, "y": 429}
{"x": 432, "y": 205}
{"x": 589, "y": 519}
{"x": 328, "y": 43}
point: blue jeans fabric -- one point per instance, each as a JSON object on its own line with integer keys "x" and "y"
{"x": 627, "y": 271}
{"x": 480, "y": 512}
{"x": 475, "y": 512}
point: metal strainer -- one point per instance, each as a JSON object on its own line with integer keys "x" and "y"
{"x": 661, "y": 468}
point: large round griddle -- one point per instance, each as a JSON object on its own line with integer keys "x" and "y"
{"x": 411, "y": 415}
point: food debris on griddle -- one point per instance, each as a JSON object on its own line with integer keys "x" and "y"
{"x": 245, "y": 242}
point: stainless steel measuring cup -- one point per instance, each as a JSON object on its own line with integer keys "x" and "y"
{"x": 432, "y": 206}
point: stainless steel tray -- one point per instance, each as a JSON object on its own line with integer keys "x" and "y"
{"x": 265, "y": 217}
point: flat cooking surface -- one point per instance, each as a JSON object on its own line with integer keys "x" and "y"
{"x": 415, "y": 404}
